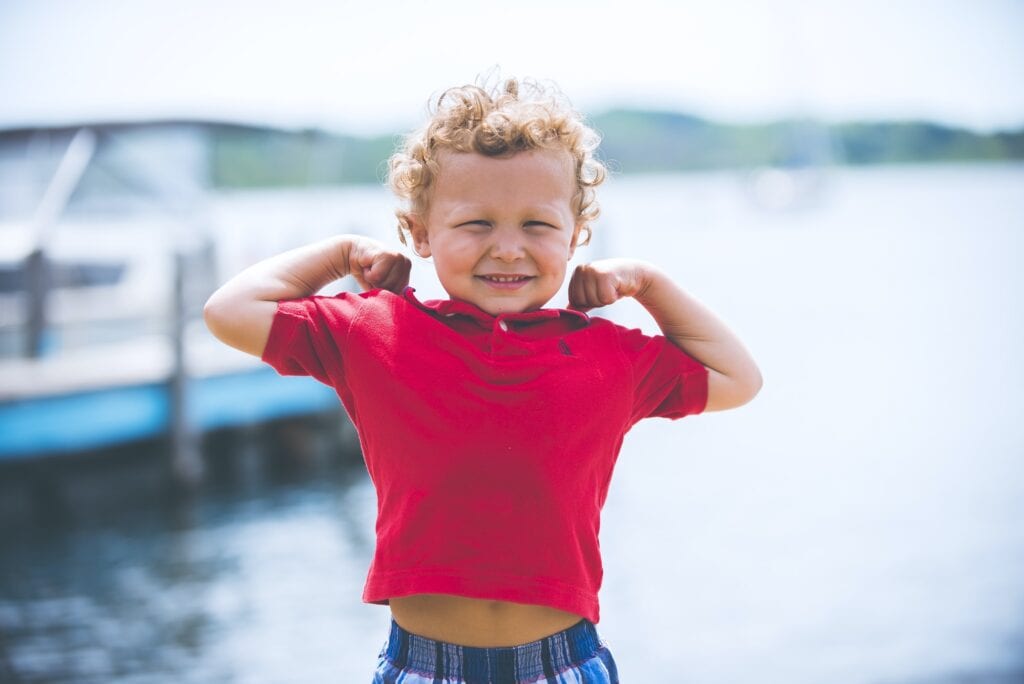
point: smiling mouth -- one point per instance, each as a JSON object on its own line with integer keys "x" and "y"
{"x": 505, "y": 281}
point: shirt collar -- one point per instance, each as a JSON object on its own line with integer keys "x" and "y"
{"x": 455, "y": 307}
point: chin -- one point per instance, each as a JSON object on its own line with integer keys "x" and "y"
{"x": 505, "y": 308}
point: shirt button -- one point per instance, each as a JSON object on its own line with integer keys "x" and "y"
{"x": 503, "y": 325}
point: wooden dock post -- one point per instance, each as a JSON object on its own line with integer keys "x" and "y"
{"x": 37, "y": 288}
{"x": 187, "y": 468}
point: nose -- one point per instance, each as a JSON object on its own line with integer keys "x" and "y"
{"x": 507, "y": 244}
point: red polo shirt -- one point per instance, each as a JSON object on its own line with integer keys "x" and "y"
{"x": 490, "y": 439}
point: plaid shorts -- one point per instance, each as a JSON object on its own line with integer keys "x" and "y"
{"x": 575, "y": 656}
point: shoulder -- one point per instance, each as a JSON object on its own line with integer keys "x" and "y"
{"x": 647, "y": 349}
{"x": 376, "y": 312}
{"x": 342, "y": 303}
{"x": 333, "y": 316}
{"x": 615, "y": 333}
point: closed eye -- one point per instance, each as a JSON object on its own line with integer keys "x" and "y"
{"x": 541, "y": 224}
{"x": 471, "y": 224}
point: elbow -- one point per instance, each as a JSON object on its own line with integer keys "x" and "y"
{"x": 239, "y": 322}
{"x": 215, "y": 315}
{"x": 752, "y": 386}
{"x": 729, "y": 392}
{"x": 747, "y": 386}
{"x": 743, "y": 392}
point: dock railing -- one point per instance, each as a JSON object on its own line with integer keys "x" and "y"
{"x": 38, "y": 278}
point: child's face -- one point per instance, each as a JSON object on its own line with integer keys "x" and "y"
{"x": 501, "y": 230}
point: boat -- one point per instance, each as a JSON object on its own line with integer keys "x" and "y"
{"x": 109, "y": 245}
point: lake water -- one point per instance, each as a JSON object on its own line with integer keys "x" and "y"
{"x": 861, "y": 522}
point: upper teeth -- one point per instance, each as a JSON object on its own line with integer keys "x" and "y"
{"x": 505, "y": 279}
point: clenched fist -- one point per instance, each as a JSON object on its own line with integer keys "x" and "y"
{"x": 606, "y": 281}
{"x": 373, "y": 264}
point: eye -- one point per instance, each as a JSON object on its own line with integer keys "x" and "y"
{"x": 478, "y": 224}
{"x": 540, "y": 224}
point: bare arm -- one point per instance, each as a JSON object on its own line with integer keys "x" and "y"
{"x": 241, "y": 312}
{"x": 733, "y": 377}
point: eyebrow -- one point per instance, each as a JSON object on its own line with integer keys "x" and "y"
{"x": 531, "y": 217}
{"x": 545, "y": 209}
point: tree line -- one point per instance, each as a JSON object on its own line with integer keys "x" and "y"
{"x": 633, "y": 141}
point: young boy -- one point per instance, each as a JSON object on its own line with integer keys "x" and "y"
{"x": 489, "y": 424}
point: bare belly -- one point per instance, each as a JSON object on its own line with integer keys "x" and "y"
{"x": 478, "y": 622}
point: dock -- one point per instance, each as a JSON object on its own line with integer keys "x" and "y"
{"x": 119, "y": 240}
{"x": 97, "y": 397}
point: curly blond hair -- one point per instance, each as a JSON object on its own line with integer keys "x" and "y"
{"x": 514, "y": 117}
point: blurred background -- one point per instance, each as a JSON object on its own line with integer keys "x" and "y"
{"x": 842, "y": 182}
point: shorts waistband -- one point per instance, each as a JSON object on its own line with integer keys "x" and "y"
{"x": 546, "y": 657}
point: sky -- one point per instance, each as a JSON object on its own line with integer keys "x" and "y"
{"x": 371, "y": 67}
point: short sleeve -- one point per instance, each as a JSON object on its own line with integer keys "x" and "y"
{"x": 308, "y": 336}
{"x": 667, "y": 382}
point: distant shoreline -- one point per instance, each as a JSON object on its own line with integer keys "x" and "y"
{"x": 240, "y": 155}
{"x": 633, "y": 141}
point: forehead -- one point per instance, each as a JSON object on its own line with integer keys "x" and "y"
{"x": 544, "y": 175}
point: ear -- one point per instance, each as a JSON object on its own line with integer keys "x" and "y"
{"x": 420, "y": 236}
{"x": 576, "y": 238}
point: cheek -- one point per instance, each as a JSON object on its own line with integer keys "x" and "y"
{"x": 454, "y": 254}
{"x": 558, "y": 252}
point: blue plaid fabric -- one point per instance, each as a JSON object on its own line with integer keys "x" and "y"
{"x": 575, "y": 656}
